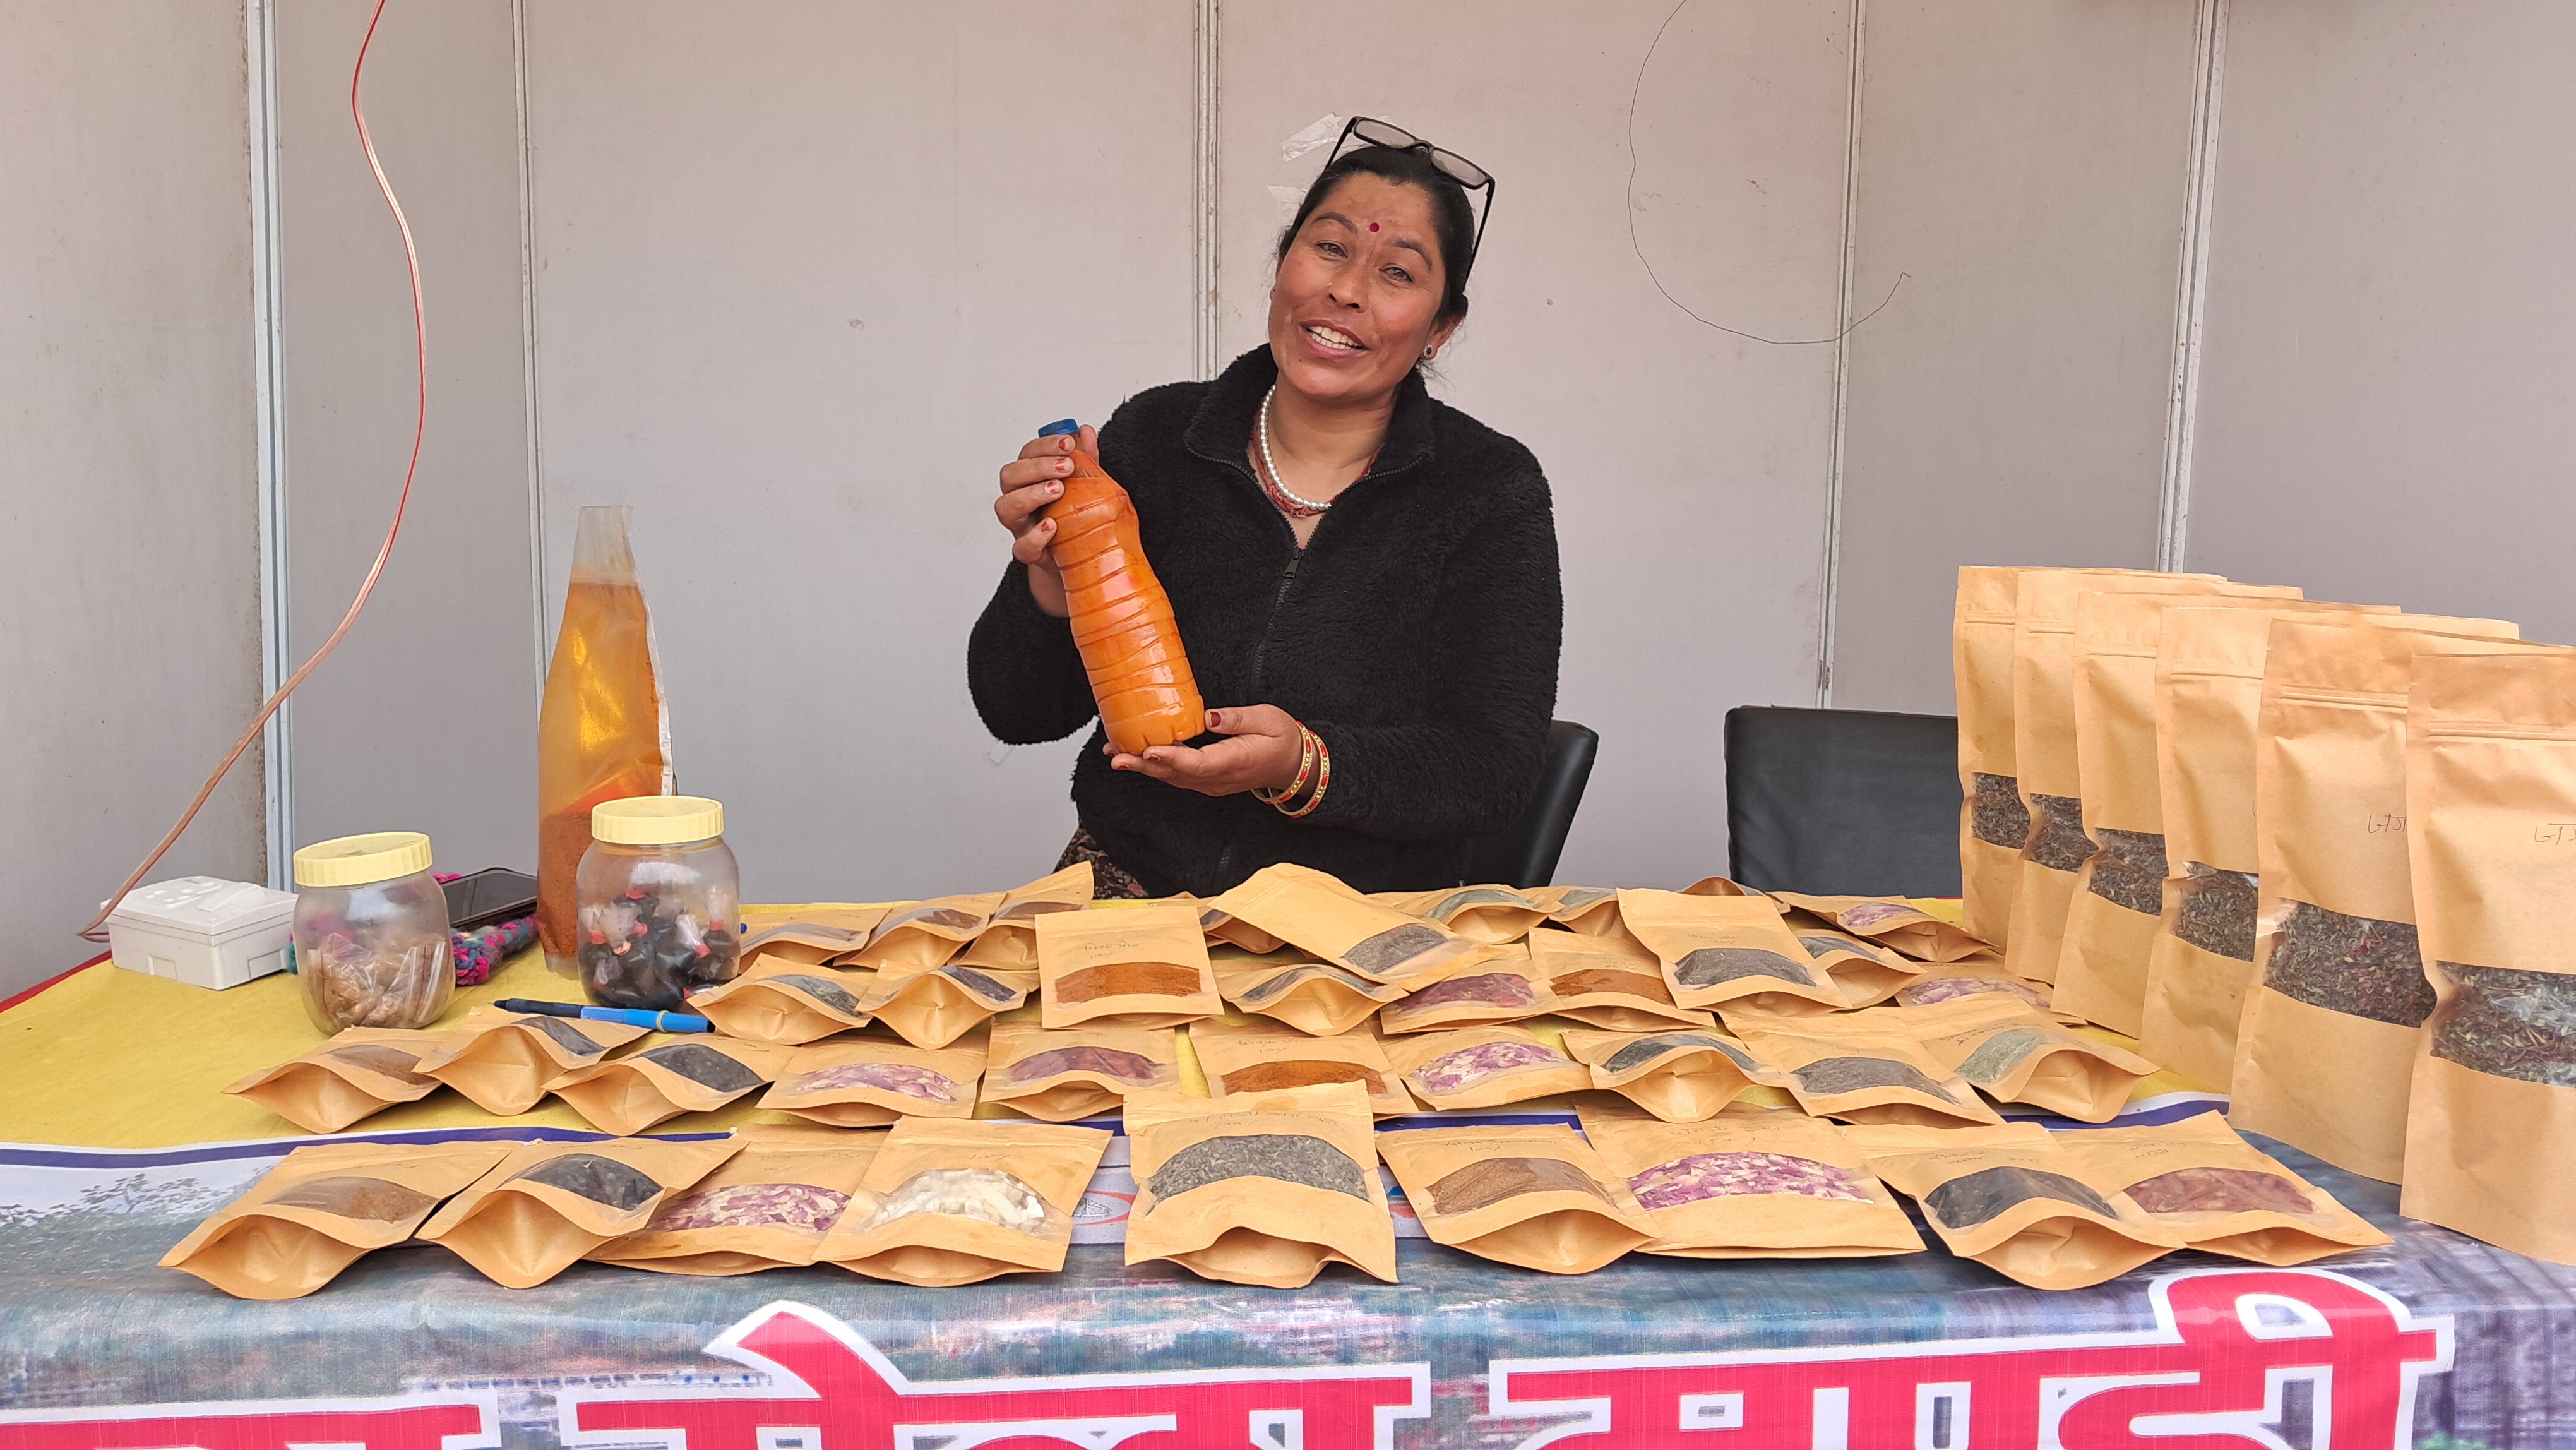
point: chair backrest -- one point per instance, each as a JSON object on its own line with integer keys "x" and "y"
{"x": 1526, "y": 854}
{"x": 1842, "y": 802}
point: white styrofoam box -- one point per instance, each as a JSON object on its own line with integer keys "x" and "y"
{"x": 203, "y": 930}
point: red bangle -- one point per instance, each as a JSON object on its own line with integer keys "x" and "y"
{"x": 1306, "y": 744}
{"x": 1323, "y": 779}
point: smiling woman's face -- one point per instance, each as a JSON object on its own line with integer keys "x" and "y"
{"x": 1357, "y": 298}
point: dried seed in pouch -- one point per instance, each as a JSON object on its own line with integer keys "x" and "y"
{"x": 704, "y": 1066}
{"x": 1997, "y": 814}
{"x": 2350, "y": 964}
{"x": 2217, "y": 910}
{"x": 2058, "y": 841}
{"x": 1647, "y": 1049}
{"x": 1828, "y": 1076}
{"x": 2509, "y": 1023}
{"x": 2130, "y": 872}
{"x": 822, "y": 989}
{"x": 1287, "y": 1157}
{"x": 601, "y": 1180}
{"x": 1708, "y": 966}
{"x": 1968, "y": 1201}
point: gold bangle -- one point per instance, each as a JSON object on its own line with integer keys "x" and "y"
{"x": 1323, "y": 780}
{"x": 1306, "y": 744}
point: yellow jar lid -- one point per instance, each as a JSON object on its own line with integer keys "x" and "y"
{"x": 358, "y": 860}
{"x": 656, "y": 820}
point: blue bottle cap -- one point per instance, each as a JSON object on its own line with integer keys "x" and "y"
{"x": 1060, "y": 425}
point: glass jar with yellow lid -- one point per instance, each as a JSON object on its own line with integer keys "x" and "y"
{"x": 659, "y": 902}
{"x": 371, "y": 941}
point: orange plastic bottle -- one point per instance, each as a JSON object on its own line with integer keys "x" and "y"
{"x": 603, "y": 733}
{"x": 1122, "y": 620}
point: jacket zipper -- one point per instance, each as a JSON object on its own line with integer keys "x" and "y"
{"x": 1261, "y": 650}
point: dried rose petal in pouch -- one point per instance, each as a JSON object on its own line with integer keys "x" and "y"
{"x": 769, "y": 1207}
{"x": 1077, "y": 1073}
{"x": 2219, "y": 1192}
{"x": 852, "y": 1083}
{"x": 1479, "y": 1067}
{"x": 1750, "y": 1183}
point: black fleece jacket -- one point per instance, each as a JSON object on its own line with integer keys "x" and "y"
{"x": 1417, "y": 634}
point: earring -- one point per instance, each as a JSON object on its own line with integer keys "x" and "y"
{"x": 1426, "y": 354}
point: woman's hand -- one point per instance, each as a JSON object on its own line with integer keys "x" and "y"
{"x": 1262, "y": 755}
{"x": 1029, "y": 483}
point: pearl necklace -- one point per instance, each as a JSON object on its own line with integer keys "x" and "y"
{"x": 1293, "y": 505}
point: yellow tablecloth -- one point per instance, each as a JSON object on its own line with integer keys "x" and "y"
{"x": 114, "y": 1059}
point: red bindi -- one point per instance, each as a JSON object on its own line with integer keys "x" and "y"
{"x": 1372, "y": 226}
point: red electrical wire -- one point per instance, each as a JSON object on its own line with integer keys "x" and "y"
{"x": 420, "y": 427}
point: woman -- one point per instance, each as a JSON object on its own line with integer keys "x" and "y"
{"x": 1365, "y": 579}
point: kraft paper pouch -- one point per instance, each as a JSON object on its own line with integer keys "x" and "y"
{"x": 1499, "y": 984}
{"x": 1082, "y": 1072}
{"x": 1313, "y": 911}
{"x": 786, "y": 1004}
{"x": 2220, "y": 1193}
{"x": 1861, "y": 1068}
{"x": 857, "y": 1084}
{"x": 1891, "y": 921}
{"x": 961, "y": 1200}
{"x": 2209, "y": 691}
{"x": 2327, "y": 1042}
{"x": 2119, "y": 893}
{"x": 1612, "y": 983}
{"x": 813, "y": 936}
{"x": 1479, "y": 913}
{"x": 1267, "y": 1056}
{"x": 1973, "y": 979}
{"x": 1750, "y": 1185}
{"x": 1314, "y": 997}
{"x": 1728, "y": 950}
{"x": 320, "y": 1208}
{"x": 2043, "y": 688}
{"x": 1586, "y": 910}
{"x": 1538, "y": 1197}
{"x": 1993, "y": 822}
{"x": 361, "y": 1070}
{"x": 1144, "y": 966}
{"x": 2491, "y": 815}
{"x": 917, "y": 936}
{"x": 2016, "y": 1053}
{"x": 1258, "y": 1188}
{"x": 1010, "y": 942}
{"x": 696, "y": 1074}
{"x": 2014, "y": 1200}
{"x": 1482, "y": 1067}
{"x": 1219, "y": 927}
{"x": 1679, "y": 1076}
{"x": 547, "y": 1204}
{"x": 935, "y": 1008}
{"x": 505, "y": 1061}
{"x": 769, "y": 1208}
{"x": 1866, "y": 972}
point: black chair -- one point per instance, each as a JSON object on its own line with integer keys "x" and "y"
{"x": 1526, "y": 854}
{"x": 1842, "y": 802}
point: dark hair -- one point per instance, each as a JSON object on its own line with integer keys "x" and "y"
{"x": 1453, "y": 221}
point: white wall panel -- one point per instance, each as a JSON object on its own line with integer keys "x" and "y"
{"x": 1689, "y": 466}
{"x": 2023, "y": 166}
{"x": 808, "y": 274}
{"x": 424, "y": 718}
{"x": 129, "y": 518}
{"x": 2388, "y": 391}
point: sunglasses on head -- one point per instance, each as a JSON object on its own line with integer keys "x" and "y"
{"x": 1457, "y": 168}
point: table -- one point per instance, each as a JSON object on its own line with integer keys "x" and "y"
{"x": 2436, "y": 1341}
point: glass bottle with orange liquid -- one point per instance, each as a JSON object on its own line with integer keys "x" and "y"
{"x": 603, "y": 733}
